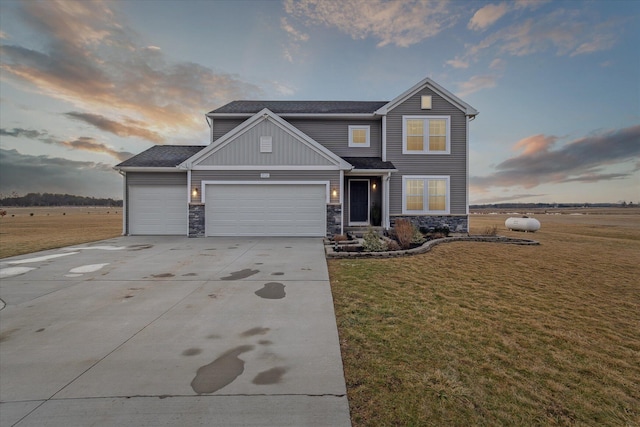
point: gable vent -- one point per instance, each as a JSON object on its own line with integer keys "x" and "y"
{"x": 266, "y": 144}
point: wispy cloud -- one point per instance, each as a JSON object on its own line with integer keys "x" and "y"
{"x": 567, "y": 32}
{"x": 476, "y": 83}
{"x": 94, "y": 62}
{"x": 581, "y": 160}
{"x": 397, "y": 22}
{"x": 84, "y": 143}
{"x": 116, "y": 128}
{"x": 23, "y": 173}
{"x": 487, "y": 16}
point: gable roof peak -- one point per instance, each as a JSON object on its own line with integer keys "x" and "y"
{"x": 428, "y": 82}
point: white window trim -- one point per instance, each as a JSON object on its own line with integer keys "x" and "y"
{"x": 426, "y": 130}
{"x": 367, "y": 128}
{"x": 426, "y": 178}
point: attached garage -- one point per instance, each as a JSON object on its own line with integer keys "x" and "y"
{"x": 158, "y": 209}
{"x": 261, "y": 209}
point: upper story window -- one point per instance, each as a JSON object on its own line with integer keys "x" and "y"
{"x": 359, "y": 136}
{"x": 426, "y": 135}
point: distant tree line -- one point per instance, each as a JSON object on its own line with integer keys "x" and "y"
{"x": 623, "y": 204}
{"x": 48, "y": 199}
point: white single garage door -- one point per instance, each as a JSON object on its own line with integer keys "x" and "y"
{"x": 265, "y": 209}
{"x": 158, "y": 209}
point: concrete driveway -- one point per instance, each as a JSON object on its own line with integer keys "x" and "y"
{"x": 171, "y": 331}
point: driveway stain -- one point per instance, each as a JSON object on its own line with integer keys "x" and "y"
{"x": 139, "y": 247}
{"x": 270, "y": 376}
{"x": 242, "y": 274}
{"x": 212, "y": 296}
{"x": 255, "y": 331}
{"x": 265, "y": 342}
{"x": 162, "y": 275}
{"x": 214, "y": 336}
{"x": 271, "y": 290}
{"x": 189, "y": 274}
{"x": 221, "y": 372}
{"x": 192, "y": 351}
{"x": 4, "y": 336}
{"x": 278, "y": 273}
{"x": 40, "y": 330}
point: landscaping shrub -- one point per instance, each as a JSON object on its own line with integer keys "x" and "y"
{"x": 404, "y": 231}
{"x": 490, "y": 230}
{"x": 372, "y": 242}
{"x": 392, "y": 245}
{"x": 340, "y": 238}
{"x": 418, "y": 237}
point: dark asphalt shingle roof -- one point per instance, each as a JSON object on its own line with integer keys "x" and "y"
{"x": 368, "y": 163}
{"x": 301, "y": 107}
{"x": 162, "y": 156}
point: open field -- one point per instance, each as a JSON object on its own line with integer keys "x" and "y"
{"x": 494, "y": 334}
{"x": 55, "y": 227}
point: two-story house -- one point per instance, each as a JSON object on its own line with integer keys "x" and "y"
{"x": 309, "y": 168}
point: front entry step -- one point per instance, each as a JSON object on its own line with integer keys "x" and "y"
{"x": 360, "y": 231}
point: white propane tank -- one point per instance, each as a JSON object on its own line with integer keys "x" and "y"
{"x": 522, "y": 224}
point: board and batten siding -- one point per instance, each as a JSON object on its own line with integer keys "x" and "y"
{"x": 244, "y": 149}
{"x": 453, "y": 164}
{"x": 334, "y": 135}
{"x": 332, "y": 176}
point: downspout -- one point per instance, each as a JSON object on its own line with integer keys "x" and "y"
{"x": 210, "y": 124}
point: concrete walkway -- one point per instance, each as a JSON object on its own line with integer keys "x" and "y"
{"x": 170, "y": 331}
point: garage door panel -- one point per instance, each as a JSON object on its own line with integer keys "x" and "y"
{"x": 157, "y": 209}
{"x": 265, "y": 210}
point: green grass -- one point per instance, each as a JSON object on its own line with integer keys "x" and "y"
{"x": 492, "y": 334}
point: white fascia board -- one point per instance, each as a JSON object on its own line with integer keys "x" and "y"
{"x": 370, "y": 171}
{"x": 427, "y": 82}
{"x": 266, "y": 114}
{"x": 149, "y": 169}
{"x": 267, "y": 167}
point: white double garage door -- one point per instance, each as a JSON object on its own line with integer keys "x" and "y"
{"x": 232, "y": 209}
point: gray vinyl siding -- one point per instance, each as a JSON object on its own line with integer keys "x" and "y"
{"x": 334, "y": 135}
{"x": 245, "y": 149}
{"x": 453, "y": 165}
{"x": 254, "y": 175}
{"x": 222, "y": 126}
{"x": 156, "y": 178}
{"x": 331, "y": 133}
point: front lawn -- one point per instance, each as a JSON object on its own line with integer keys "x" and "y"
{"x": 493, "y": 334}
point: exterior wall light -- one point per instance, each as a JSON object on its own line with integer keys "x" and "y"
{"x": 194, "y": 193}
{"x": 374, "y": 186}
{"x": 334, "y": 193}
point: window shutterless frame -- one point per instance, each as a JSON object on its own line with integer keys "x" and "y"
{"x": 431, "y": 129}
{"x": 426, "y": 194}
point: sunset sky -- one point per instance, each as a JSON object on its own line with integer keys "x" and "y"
{"x": 86, "y": 84}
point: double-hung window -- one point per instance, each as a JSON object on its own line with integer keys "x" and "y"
{"x": 359, "y": 136}
{"x": 426, "y": 135}
{"x": 425, "y": 194}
